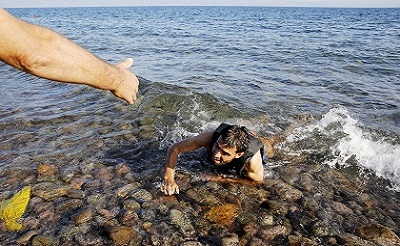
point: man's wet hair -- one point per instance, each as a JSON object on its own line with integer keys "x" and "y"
{"x": 235, "y": 136}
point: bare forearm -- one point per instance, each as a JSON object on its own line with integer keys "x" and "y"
{"x": 44, "y": 53}
{"x": 54, "y": 57}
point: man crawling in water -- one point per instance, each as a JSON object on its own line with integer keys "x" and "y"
{"x": 230, "y": 147}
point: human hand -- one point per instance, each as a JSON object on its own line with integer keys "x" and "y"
{"x": 127, "y": 87}
{"x": 170, "y": 187}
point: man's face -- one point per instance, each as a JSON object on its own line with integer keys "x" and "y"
{"x": 221, "y": 155}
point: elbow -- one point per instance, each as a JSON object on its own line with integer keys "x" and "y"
{"x": 32, "y": 63}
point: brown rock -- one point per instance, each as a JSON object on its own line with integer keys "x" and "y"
{"x": 379, "y": 234}
{"x": 83, "y": 216}
{"x": 47, "y": 170}
{"x": 121, "y": 235}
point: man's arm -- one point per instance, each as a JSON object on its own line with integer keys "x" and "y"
{"x": 203, "y": 140}
{"x": 44, "y": 53}
{"x": 255, "y": 168}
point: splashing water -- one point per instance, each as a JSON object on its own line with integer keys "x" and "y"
{"x": 347, "y": 142}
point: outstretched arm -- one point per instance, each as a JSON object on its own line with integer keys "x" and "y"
{"x": 44, "y": 53}
{"x": 170, "y": 186}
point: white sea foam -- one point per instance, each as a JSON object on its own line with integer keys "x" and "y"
{"x": 350, "y": 142}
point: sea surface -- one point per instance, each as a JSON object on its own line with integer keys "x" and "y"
{"x": 326, "y": 80}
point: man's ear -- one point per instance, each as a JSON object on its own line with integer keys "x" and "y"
{"x": 239, "y": 154}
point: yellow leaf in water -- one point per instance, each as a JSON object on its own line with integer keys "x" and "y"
{"x": 13, "y": 208}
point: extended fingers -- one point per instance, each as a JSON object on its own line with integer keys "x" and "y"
{"x": 169, "y": 189}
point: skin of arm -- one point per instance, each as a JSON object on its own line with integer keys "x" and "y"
{"x": 202, "y": 140}
{"x": 255, "y": 168}
{"x": 44, "y": 53}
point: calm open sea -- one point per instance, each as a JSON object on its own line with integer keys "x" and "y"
{"x": 329, "y": 79}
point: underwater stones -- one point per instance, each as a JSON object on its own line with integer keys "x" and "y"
{"x": 291, "y": 174}
{"x": 340, "y": 208}
{"x": 24, "y": 239}
{"x": 49, "y": 190}
{"x": 378, "y": 234}
{"x": 122, "y": 235}
{"x": 230, "y": 239}
{"x": 141, "y": 195}
{"x": 129, "y": 218}
{"x": 202, "y": 196}
{"x": 131, "y": 204}
{"x": 68, "y": 206}
{"x": 307, "y": 182}
{"x": 269, "y": 235}
{"x": 122, "y": 169}
{"x": 310, "y": 204}
{"x": 88, "y": 239}
{"x": 47, "y": 170}
{"x": 266, "y": 220}
{"x": 296, "y": 240}
{"x": 223, "y": 214}
{"x": 181, "y": 220}
{"x": 284, "y": 190}
{"x": 42, "y": 241}
{"x": 126, "y": 189}
{"x": 83, "y": 216}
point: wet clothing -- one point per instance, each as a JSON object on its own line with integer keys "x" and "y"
{"x": 236, "y": 166}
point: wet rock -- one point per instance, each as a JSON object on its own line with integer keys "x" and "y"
{"x": 97, "y": 200}
{"x": 43, "y": 241}
{"x": 141, "y": 195}
{"x": 266, "y": 220}
{"x": 296, "y": 240}
{"x": 307, "y": 182}
{"x": 67, "y": 175}
{"x": 123, "y": 235}
{"x": 122, "y": 169}
{"x": 223, "y": 214}
{"x": 49, "y": 190}
{"x": 230, "y": 239}
{"x": 202, "y": 196}
{"x": 109, "y": 214}
{"x": 131, "y": 205}
{"x": 277, "y": 207}
{"x": 284, "y": 190}
{"x": 129, "y": 218}
{"x": 88, "y": 240}
{"x": 82, "y": 217}
{"x": 250, "y": 231}
{"x": 78, "y": 194}
{"x": 68, "y": 206}
{"x": 181, "y": 220}
{"x": 25, "y": 238}
{"x": 340, "y": 208}
{"x": 104, "y": 174}
{"x": 290, "y": 174}
{"x": 77, "y": 183}
{"x": 47, "y": 170}
{"x": 351, "y": 239}
{"x": 310, "y": 204}
{"x": 147, "y": 215}
{"x": 190, "y": 243}
{"x": 377, "y": 233}
{"x": 320, "y": 229}
{"x": 30, "y": 222}
{"x": 125, "y": 190}
{"x": 271, "y": 234}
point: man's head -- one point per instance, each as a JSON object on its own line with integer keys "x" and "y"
{"x": 231, "y": 144}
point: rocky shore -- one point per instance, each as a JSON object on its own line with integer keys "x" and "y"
{"x": 303, "y": 204}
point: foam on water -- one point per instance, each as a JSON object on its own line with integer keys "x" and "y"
{"x": 349, "y": 143}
